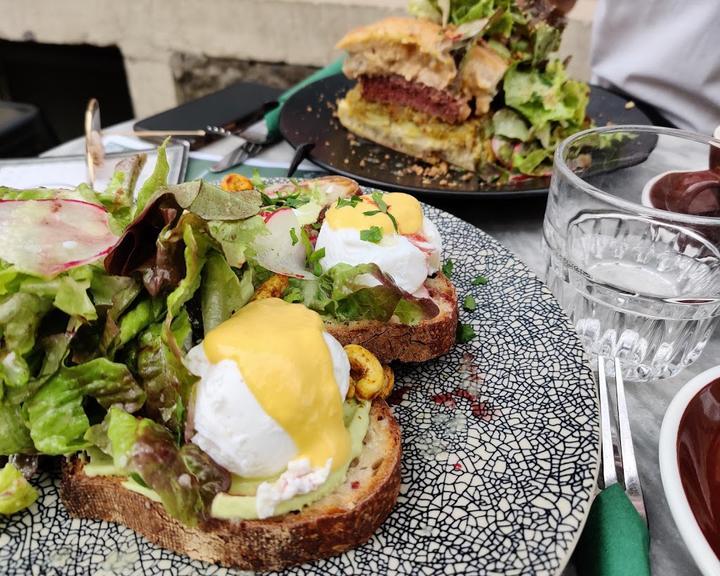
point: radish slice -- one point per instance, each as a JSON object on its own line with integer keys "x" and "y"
{"x": 46, "y": 237}
{"x": 275, "y": 251}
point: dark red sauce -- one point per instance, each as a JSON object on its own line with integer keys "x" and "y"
{"x": 397, "y": 395}
{"x": 445, "y": 399}
{"x": 698, "y": 454}
{"x": 696, "y": 193}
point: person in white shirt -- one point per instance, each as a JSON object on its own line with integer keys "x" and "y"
{"x": 665, "y": 55}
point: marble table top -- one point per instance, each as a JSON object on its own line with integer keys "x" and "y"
{"x": 518, "y": 225}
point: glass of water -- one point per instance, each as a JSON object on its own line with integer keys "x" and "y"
{"x": 631, "y": 240}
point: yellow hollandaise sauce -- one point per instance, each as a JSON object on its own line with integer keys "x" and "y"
{"x": 405, "y": 209}
{"x": 280, "y": 352}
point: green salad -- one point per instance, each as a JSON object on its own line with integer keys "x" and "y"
{"x": 92, "y": 349}
{"x": 539, "y": 105}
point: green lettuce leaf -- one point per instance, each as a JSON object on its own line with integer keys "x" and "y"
{"x": 463, "y": 11}
{"x": 55, "y": 414}
{"x": 185, "y": 478}
{"x": 426, "y": 9}
{"x": 68, "y": 290}
{"x": 546, "y": 40}
{"x": 409, "y": 312}
{"x": 156, "y": 181}
{"x": 211, "y": 202}
{"x": 236, "y": 237}
{"x": 115, "y": 436}
{"x": 222, "y": 293}
{"x": 165, "y": 381}
{"x": 510, "y": 124}
{"x": 20, "y": 316}
{"x": 53, "y": 348}
{"x": 114, "y": 291}
{"x": 16, "y": 493}
{"x": 196, "y": 245}
{"x": 14, "y": 434}
{"x": 375, "y": 303}
{"x": 147, "y": 311}
{"x": 72, "y": 298}
{"x": 529, "y": 162}
{"x": 546, "y": 96}
{"x": 338, "y": 294}
{"x": 118, "y": 194}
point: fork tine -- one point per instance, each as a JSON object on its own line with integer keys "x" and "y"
{"x": 608, "y": 457}
{"x": 630, "y": 472}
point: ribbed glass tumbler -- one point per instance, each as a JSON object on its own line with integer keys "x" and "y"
{"x": 631, "y": 240}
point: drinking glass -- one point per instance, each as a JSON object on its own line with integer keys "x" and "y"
{"x": 639, "y": 280}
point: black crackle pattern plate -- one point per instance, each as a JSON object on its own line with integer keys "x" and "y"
{"x": 309, "y": 117}
{"x": 500, "y": 452}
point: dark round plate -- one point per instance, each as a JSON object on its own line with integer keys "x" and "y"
{"x": 309, "y": 116}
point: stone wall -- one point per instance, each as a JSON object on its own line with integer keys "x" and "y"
{"x": 179, "y": 49}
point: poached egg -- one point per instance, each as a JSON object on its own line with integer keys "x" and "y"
{"x": 407, "y": 249}
{"x": 270, "y": 399}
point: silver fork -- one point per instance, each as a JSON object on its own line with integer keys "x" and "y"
{"x": 255, "y": 138}
{"x": 626, "y": 452}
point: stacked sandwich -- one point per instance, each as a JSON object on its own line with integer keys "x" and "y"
{"x": 470, "y": 84}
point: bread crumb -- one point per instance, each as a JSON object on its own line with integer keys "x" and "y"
{"x": 629, "y": 105}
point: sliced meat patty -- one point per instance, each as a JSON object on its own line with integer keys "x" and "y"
{"x": 394, "y": 89}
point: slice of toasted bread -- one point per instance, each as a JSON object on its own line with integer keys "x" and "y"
{"x": 340, "y": 521}
{"x": 416, "y": 49}
{"x": 394, "y": 341}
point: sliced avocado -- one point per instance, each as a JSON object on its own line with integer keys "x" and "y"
{"x": 240, "y": 502}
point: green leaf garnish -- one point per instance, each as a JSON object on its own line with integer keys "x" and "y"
{"x": 312, "y": 256}
{"x": 352, "y": 201}
{"x": 464, "y": 333}
{"x": 373, "y": 234}
{"x": 447, "y": 268}
{"x": 293, "y": 236}
{"x": 382, "y": 209}
{"x": 479, "y": 281}
{"x": 469, "y": 303}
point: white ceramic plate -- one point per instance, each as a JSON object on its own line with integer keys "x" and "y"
{"x": 688, "y": 527}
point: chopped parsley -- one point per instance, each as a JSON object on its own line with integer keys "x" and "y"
{"x": 373, "y": 234}
{"x": 469, "y": 303}
{"x": 382, "y": 209}
{"x": 479, "y": 281}
{"x": 312, "y": 256}
{"x": 293, "y": 236}
{"x": 447, "y": 268}
{"x": 352, "y": 201}
{"x": 464, "y": 333}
